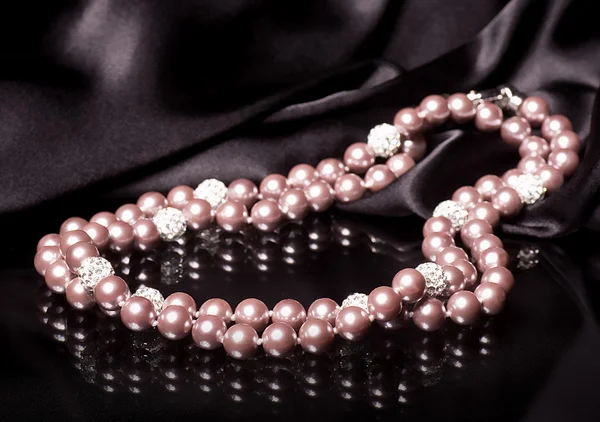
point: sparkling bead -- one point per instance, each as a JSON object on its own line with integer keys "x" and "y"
{"x": 435, "y": 278}
{"x": 356, "y": 299}
{"x": 530, "y": 187}
{"x": 153, "y": 295}
{"x": 212, "y": 191}
{"x": 93, "y": 270}
{"x": 170, "y": 223}
{"x": 454, "y": 212}
{"x": 385, "y": 140}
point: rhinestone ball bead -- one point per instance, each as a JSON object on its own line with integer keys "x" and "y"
{"x": 93, "y": 270}
{"x": 356, "y": 299}
{"x": 435, "y": 278}
{"x": 530, "y": 187}
{"x": 385, "y": 140}
{"x": 153, "y": 295}
{"x": 212, "y": 191}
{"x": 170, "y": 223}
{"x": 454, "y": 212}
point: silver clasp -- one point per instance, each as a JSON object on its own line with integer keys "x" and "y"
{"x": 507, "y": 98}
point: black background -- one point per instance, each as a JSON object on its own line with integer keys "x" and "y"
{"x": 102, "y": 100}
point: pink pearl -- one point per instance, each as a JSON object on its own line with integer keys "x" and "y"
{"x": 564, "y": 160}
{"x": 491, "y": 296}
{"x": 272, "y": 186}
{"x": 469, "y": 271}
{"x": 151, "y": 202}
{"x": 501, "y": 276}
{"x": 435, "y": 109}
{"x": 530, "y": 164}
{"x": 483, "y": 242}
{"x": 474, "y": 229}
{"x": 293, "y": 204}
{"x": 301, "y": 175}
{"x": 566, "y": 139}
{"x": 409, "y": 120}
{"x": 279, "y": 340}
{"x": 111, "y": 292}
{"x": 71, "y": 224}
{"x": 240, "y": 341}
{"x": 552, "y": 178}
{"x": 415, "y": 148}
{"x": 103, "y": 218}
{"x": 325, "y": 309}
{"x": 489, "y": 117}
{"x": 429, "y": 314}
{"x": 316, "y": 336}
{"x": 289, "y": 311}
{"x": 252, "y": 312}
{"x": 514, "y": 130}
{"x": 179, "y": 196}
{"x": 438, "y": 225}
{"x": 129, "y": 213}
{"x": 535, "y": 110}
{"x": 330, "y": 169}
{"x": 138, "y": 313}
{"x": 488, "y": 185}
{"x": 244, "y": 191}
{"x": 409, "y": 284}
{"x": 57, "y": 276}
{"x": 174, "y": 322}
{"x": 378, "y": 177}
{"x": 492, "y": 257}
{"x": 461, "y": 108}
{"x": 198, "y": 214}
{"x": 534, "y": 146}
{"x": 485, "y": 211}
{"x": 266, "y": 215}
{"x": 68, "y": 239}
{"x": 507, "y": 201}
{"x": 450, "y": 254}
{"x": 455, "y": 279}
{"x": 121, "y": 236}
{"x": 464, "y": 308}
{"x": 349, "y": 188}
{"x": 511, "y": 176}
{"x": 352, "y": 323}
{"x": 208, "y": 332}
{"x": 78, "y": 296}
{"x": 52, "y": 239}
{"x": 99, "y": 235}
{"x": 44, "y": 257}
{"x": 399, "y": 164}
{"x": 555, "y": 124}
{"x": 320, "y": 195}
{"x": 467, "y": 196}
{"x": 217, "y": 307}
{"x": 78, "y": 253}
{"x": 384, "y": 303}
{"x": 232, "y": 216}
{"x": 359, "y": 157}
{"x": 146, "y": 235}
{"x": 181, "y": 299}
{"x": 433, "y": 244}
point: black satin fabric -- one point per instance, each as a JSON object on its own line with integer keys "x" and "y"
{"x": 109, "y": 99}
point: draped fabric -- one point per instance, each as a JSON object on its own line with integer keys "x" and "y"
{"x": 106, "y": 98}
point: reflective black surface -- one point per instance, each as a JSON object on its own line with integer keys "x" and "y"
{"x": 536, "y": 360}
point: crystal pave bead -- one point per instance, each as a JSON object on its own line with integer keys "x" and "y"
{"x": 454, "y": 212}
{"x": 356, "y": 299}
{"x": 384, "y": 140}
{"x": 529, "y": 187}
{"x": 93, "y": 270}
{"x": 212, "y": 191}
{"x": 170, "y": 223}
{"x": 435, "y": 278}
{"x": 153, "y": 295}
